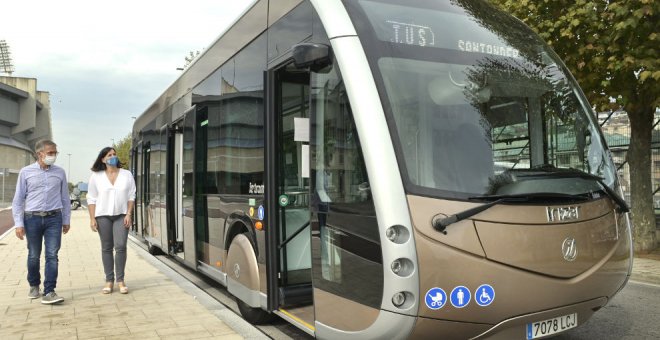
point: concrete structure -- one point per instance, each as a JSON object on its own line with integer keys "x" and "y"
{"x": 25, "y": 118}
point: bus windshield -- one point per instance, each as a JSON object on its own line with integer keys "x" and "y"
{"x": 472, "y": 94}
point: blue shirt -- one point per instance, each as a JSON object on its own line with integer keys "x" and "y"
{"x": 41, "y": 190}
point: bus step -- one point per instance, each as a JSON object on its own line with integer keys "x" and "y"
{"x": 296, "y": 295}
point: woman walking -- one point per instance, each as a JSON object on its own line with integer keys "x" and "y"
{"x": 111, "y": 198}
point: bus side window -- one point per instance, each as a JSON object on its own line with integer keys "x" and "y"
{"x": 349, "y": 246}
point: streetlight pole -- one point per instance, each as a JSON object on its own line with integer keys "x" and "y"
{"x": 4, "y": 174}
{"x": 68, "y": 174}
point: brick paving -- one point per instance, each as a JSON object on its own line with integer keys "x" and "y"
{"x": 159, "y": 305}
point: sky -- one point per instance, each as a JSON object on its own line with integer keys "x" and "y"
{"x": 106, "y": 62}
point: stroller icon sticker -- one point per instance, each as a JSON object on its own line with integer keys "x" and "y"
{"x": 435, "y": 298}
{"x": 484, "y": 295}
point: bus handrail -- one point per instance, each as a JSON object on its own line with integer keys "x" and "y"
{"x": 281, "y": 245}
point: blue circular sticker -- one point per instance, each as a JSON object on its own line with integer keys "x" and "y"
{"x": 435, "y": 298}
{"x": 260, "y": 212}
{"x": 484, "y": 295}
{"x": 460, "y": 297}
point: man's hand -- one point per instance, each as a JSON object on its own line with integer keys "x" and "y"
{"x": 20, "y": 232}
{"x": 93, "y": 225}
{"x": 65, "y": 228}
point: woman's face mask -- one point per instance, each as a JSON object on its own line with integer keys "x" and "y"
{"x": 112, "y": 161}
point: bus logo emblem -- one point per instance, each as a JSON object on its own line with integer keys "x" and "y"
{"x": 237, "y": 270}
{"x": 569, "y": 249}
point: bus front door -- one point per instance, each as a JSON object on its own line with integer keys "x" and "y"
{"x": 289, "y": 194}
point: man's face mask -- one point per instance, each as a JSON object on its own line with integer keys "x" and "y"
{"x": 50, "y": 160}
{"x": 49, "y": 157}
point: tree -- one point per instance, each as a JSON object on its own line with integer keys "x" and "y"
{"x": 611, "y": 47}
{"x": 123, "y": 148}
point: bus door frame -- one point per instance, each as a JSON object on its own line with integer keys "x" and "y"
{"x": 189, "y": 228}
{"x": 134, "y": 172}
{"x": 175, "y": 185}
{"x": 139, "y": 180}
{"x": 272, "y": 234}
{"x": 272, "y": 166}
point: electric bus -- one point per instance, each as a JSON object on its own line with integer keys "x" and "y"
{"x": 370, "y": 169}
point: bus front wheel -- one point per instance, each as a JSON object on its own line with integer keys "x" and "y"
{"x": 255, "y": 316}
{"x": 243, "y": 279}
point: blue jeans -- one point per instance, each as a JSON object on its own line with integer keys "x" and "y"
{"x": 49, "y": 230}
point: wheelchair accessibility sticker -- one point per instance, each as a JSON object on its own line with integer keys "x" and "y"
{"x": 484, "y": 295}
{"x": 435, "y": 298}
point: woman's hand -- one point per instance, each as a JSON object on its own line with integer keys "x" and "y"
{"x": 128, "y": 221}
{"x": 93, "y": 225}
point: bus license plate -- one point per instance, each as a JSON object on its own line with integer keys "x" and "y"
{"x": 551, "y": 326}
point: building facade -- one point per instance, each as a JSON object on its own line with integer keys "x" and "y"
{"x": 25, "y": 118}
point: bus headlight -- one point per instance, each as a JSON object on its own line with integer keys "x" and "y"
{"x": 397, "y": 234}
{"x": 399, "y": 299}
{"x": 392, "y": 234}
{"x": 396, "y": 266}
{"x": 402, "y": 267}
{"x": 403, "y": 300}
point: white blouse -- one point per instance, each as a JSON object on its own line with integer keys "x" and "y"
{"x": 111, "y": 200}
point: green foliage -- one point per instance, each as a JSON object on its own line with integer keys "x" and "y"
{"x": 123, "y": 148}
{"x": 610, "y": 46}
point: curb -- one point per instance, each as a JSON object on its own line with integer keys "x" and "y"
{"x": 6, "y": 233}
{"x": 651, "y": 278}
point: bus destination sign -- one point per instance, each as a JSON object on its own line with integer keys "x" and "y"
{"x": 411, "y": 34}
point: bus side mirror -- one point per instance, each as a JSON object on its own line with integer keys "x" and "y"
{"x": 314, "y": 56}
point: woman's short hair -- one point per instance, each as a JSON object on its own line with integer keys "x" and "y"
{"x": 98, "y": 164}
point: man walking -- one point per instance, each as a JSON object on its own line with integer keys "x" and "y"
{"x": 42, "y": 211}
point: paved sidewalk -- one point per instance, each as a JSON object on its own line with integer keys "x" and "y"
{"x": 646, "y": 268}
{"x": 160, "y": 304}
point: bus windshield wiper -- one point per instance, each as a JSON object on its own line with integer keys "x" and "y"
{"x": 549, "y": 170}
{"x": 441, "y": 224}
